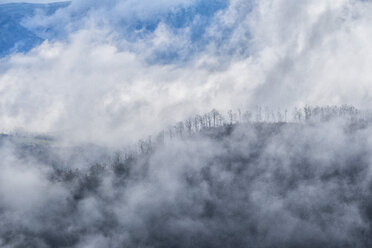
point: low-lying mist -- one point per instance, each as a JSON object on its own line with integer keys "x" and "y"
{"x": 304, "y": 182}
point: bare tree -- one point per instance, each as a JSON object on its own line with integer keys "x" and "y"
{"x": 179, "y": 127}
{"x": 231, "y": 116}
{"x": 215, "y": 115}
{"x": 247, "y": 116}
{"x": 197, "y": 123}
{"x": 188, "y": 125}
{"x": 208, "y": 120}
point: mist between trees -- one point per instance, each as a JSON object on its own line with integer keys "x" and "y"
{"x": 259, "y": 114}
{"x": 264, "y": 178}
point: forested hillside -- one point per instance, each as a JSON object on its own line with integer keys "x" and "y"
{"x": 303, "y": 183}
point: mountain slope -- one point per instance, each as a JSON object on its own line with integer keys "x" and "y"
{"x": 242, "y": 185}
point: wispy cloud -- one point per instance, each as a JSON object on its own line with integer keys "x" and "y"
{"x": 106, "y": 78}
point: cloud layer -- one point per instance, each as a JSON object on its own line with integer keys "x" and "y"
{"x": 120, "y": 69}
{"x": 265, "y": 185}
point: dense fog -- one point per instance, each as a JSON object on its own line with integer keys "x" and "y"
{"x": 246, "y": 184}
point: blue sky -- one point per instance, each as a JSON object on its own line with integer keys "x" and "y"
{"x": 129, "y": 20}
{"x": 26, "y": 1}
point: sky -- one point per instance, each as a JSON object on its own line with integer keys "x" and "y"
{"x": 26, "y": 1}
{"x": 114, "y": 71}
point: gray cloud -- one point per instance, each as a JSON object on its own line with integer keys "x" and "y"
{"x": 273, "y": 184}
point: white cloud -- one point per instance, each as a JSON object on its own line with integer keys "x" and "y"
{"x": 95, "y": 87}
